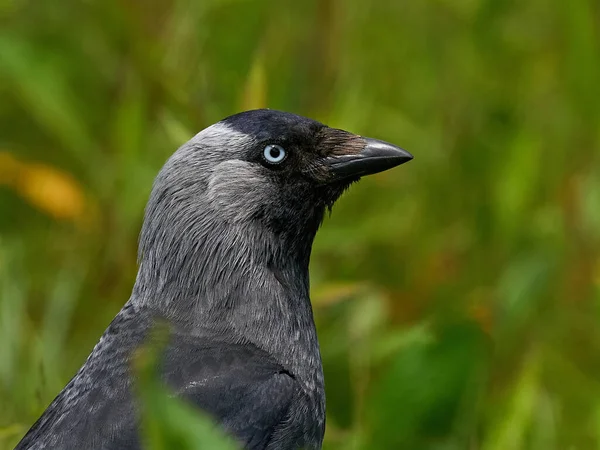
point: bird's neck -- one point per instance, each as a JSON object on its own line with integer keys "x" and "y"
{"x": 246, "y": 281}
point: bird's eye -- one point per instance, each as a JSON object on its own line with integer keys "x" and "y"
{"x": 274, "y": 153}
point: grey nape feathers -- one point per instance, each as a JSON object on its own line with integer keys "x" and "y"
{"x": 223, "y": 259}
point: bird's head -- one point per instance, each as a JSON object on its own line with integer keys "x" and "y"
{"x": 261, "y": 175}
{"x": 269, "y": 168}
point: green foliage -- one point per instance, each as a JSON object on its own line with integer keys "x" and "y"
{"x": 457, "y": 297}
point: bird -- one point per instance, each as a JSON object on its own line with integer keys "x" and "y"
{"x": 223, "y": 259}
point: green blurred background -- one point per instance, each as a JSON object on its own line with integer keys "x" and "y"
{"x": 457, "y": 297}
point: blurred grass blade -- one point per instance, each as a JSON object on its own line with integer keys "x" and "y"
{"x": 510, "y": 428}
{"x": 255, "y": 89}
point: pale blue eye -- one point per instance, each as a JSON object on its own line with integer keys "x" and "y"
{"x": 274, "y": 153}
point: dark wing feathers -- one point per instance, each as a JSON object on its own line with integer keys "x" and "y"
{"x": 241, "y": 386}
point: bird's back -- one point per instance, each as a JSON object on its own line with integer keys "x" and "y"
{"x": 247, "y": 391}
{"x": 83, "y": 414}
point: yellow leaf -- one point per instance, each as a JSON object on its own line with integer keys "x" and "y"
{"x": 47, "y": 188}
{"x": 333, "y": 293}
{"x": 52, "y": 191}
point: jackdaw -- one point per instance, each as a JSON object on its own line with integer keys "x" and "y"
{"x": 223, "y": 259}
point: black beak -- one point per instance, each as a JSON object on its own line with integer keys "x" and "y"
{"x": 376, "y": 156}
